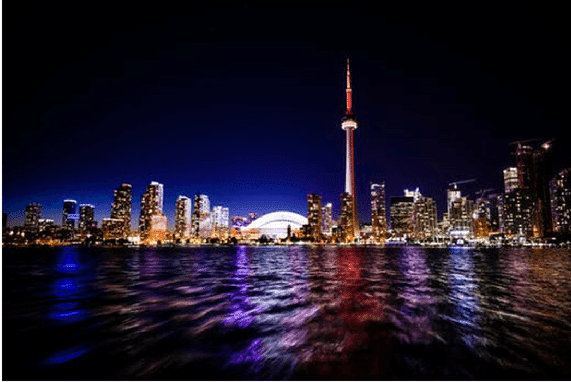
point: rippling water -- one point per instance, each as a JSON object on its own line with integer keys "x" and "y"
{"x": 286, "y": 313}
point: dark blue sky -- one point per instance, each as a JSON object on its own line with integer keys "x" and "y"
{"x": 244, "y": 103}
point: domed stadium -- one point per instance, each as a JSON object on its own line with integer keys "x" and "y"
{"x": 275, "y": 224}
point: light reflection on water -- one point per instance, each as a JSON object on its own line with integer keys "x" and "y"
{"x": 286, "y": 313}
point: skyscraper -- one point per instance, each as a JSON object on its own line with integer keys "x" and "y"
{"x": 182, "y": 217}
{"x": 33, "y": 216}
{"x": 518, "y": 213}
{"x": 121, "y": 207}
{"x": 347, "y": 221}
{"x": 511, "y": 181}
{"x": 69, "y": 206}
{"x": 220, "y": 220}
{"x": 561, "y": 201}
{"x": 402, "y": 211}
{"x": 349, "y": 124}
{"x": 151, "y": 204}
{"x": 326, "y": 218}
{"x": 201, "y": 221}
{"x": 378, "y": 211}
{"x": 314, "y": 216}
{"x": 424, "y": 217}
{"x": 86, "y": 217}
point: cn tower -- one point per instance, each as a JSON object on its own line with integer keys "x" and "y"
{"x": 349, "y": 124}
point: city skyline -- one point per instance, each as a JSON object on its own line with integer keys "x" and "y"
{"x": 254, "y": 123}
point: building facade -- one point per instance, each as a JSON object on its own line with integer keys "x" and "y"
{"x": 314, "y": 217}
{"x": 86, "y": 217}
{"x": 69, "y": 208}
{"x": 121, "y": 207}
{"x": 33, "y": 217}
{"x": 182, "y": 218}
{"x": 151, "y": 205}
{"x": 327, "y": 219}
{"x": 560, "y": 191}
{"x": 347, "y": 219}
{"x": 378, "y": 212}
{"x": 402, "y": 213}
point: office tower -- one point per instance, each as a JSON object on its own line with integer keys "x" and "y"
{"x": 201, "y": 221}
{"x": 534, "y": 173}
{"x": 560, "y": 191}
{"x": 182, "y": 217}
{"x": 314, "y": 216}
{"x": 220, "y": 221}
{"x": 349, "y": 124}
{"x": 86, "y": 217}
{"x": 518, "y": 213}
{"x": 112, "y": 228}
{"x": 347, "y": 219}
{"x": 68, "y": 221}
{"x": 33, "y": 216}
{"x": 158, "y": 233}
{"x": 487, "y": 215}
{"x": 511, "y": 181}
{"x": 151, "y": 204}
{"x": 45, "y": 224}
{"x": 326, "y": 218}
{"x": 378, "y": 211}
{"x": 402, "y": 212}
{"x": 121, "y": 207}
{"x": 424, "y": 217}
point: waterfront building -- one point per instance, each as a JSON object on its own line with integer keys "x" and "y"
{"x": 46, "y": 224}
{"x": 314, "y": 216}
{"x": 424, "y": 217}
{"x": 86, "y": 217}
{"x": 121, "y": 207}
{"x": 402, "y": 212}
{"x": 349, "y": 124}
{"x": 201, "y": 221}
{"x": 347, "y": 219}
{"x": 33, "y": 217}
{"x": 378, "y": 212}
{"x": 326, "y": 219}
{"x": 151, "y": 204}
{"x": 560, "y": 191}
{"x": 112, "y": 228}
{"x": 68, "y": 214}
{"x": 182, "y": 217}
{"x": 518, "y": 213}
{"x": 158, "y": 233}
{"x": 220, "y": 221}
{"x": 275, "y": 225}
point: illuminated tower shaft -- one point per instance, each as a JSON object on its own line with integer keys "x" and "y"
{"x": 349, "y": 124}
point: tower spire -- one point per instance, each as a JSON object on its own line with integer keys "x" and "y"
{"x": 349, "y": 91}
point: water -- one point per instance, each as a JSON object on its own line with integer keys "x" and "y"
{"x": 286, "y": 313}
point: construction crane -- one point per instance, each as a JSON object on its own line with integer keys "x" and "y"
{"x": 525, "y": 141}
{"x": 461, "y": 182}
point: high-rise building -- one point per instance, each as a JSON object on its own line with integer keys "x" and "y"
{"x": 534, "y": 173}
{"x": 314, "y": 216}
{"x": 518, "y": 213}
{"x": 349, "y": 124}
{"x": 46, "y": 224}
{"x": 121, "y": 207}
{"x": 151, "y": 204}
{"x": 378, "y": 212}
{"x": 459, "y": 214}
{"x": 33, "y": 217}
{"x": 201, "y": 220}
{"x": 346, "y": 218}
{"x": 402, "y": 213}
{"x": 86, "y": 217}
{"x": 220, "y": 221}
{"x": 560, "y": 190}
{"x": 487, "y": 215}
{"x": 326, "y": 218}
{"x": 511, "y": 180}
{"x": 69, "y": 206}
{"x": 424, "y": 217}
{"x": 182, "y": 217}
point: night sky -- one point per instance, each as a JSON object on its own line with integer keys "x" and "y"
{"x": 245, "y": 103}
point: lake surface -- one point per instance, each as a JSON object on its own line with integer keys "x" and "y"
{"x": 295, "y": 312}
